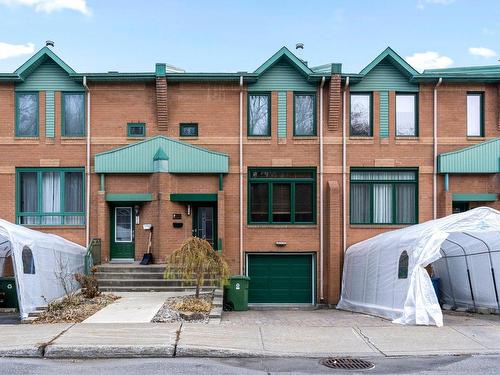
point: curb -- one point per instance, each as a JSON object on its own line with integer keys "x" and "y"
{"x": 109, "y": 351}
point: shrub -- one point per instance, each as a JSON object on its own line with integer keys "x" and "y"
{"x": 89, "y": 284}
{"x": 196, "y": 259}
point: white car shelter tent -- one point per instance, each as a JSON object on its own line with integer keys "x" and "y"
{"x": 385, "y": 275}
{"x": 42, "y": 263}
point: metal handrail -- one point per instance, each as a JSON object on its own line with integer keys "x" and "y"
{"x": 93, "y": 255}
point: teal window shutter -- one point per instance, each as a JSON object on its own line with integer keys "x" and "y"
{"x": 282, "y": 114}
{"x": 49, "y": 114}
{"x": 384, "y": 114}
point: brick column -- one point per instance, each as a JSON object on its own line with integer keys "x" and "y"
{"x": 221, "y": 217}
{"x": 103, "y": 225}
{"x": 334, "y": 241}
{"x": 161, "y": 103}
{"x": 334, "y": 103}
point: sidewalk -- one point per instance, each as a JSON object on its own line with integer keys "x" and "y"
{"x": 113, "y": 340}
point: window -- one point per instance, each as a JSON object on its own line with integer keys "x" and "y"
{"x": 188, "y": 130}
{"x": 304, "y": 114}
{"x": 73, "y": 114}
{"x": 136, "y": 129}
{"x": 475, "y": 114}
{"x": 282, "y": 196}
{"x": 259, "y": 117}
{"x": 384, "y": 196}
{"x": 28, "y": 261}
{"x": 406, "y": 115}
{"x": 50, "y": 196}
{"x": 403, "y": 265}
{"x": 361, "y": 115}
{"x": 27, "y": 114}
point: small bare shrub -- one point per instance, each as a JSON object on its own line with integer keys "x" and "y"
{"x": 89, "y": 284}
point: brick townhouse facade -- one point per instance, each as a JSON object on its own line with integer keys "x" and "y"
{"x": 280, "y": 169}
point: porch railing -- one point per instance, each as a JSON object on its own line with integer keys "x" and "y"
{"x": 93, "y": 255}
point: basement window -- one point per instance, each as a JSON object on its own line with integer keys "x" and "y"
{"x": 136, "y": 129}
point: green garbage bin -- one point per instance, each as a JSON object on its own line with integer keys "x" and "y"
{"x": 8, "y": 293}
{"x": 237, "y": 292}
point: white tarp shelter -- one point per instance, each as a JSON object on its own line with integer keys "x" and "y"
{"x": 42, "y": 264}
{"x": 385, "y": 275}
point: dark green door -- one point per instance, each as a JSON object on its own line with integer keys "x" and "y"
{"x": 284, "y": 278}
{"x": 204, "y": 224}
{"x": 122, "y": 233}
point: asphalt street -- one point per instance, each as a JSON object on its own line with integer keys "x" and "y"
{"x": 383, "y": 365}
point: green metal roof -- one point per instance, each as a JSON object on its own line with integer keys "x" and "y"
{"x": 129, "y": 197}
{"x": 38, "y": 58}
{"x": 395, "y": 59}
{"x": 285, "y": 53}
{"x": 483, "y": 157}
{"x": 182, "y": 158}
{"x": 474, "y": 197}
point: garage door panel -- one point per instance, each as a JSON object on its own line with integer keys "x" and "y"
{"x": 280, "y": 278}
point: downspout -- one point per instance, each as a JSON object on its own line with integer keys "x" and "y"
{"x": 344, "y": 165}
{"x": 87, "y": 167}
{"x": 321, "y": 213}
{"x": 241, "y": 175}
{"x": 435, "y": 141}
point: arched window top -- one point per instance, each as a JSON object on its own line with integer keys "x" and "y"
{"x": 403, "y": 265}
{"x": 28, "y": 261}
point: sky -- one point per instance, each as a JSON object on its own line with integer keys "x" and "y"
{"x": 237, "y": 35}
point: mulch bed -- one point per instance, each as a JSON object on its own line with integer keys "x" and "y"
{"x": 74, "y": 309}
{"x": 185, "y": 309}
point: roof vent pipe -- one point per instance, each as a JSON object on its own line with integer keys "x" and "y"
{"x": 49, "y": 43}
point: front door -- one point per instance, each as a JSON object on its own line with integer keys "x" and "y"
{"x": 122, "y": 233}
{"x": 204, "y": 224}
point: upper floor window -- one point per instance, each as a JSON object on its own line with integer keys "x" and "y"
{"x": 259, "y": 116}
{"x": 383, "y": 196}
{"x": 282, "y": 196}
{"x": 136, "y": 129}
{"x": 188, "y": 130}
{"x": 27, "y": 114}
{"x": 73, "y": 114}
{"x": 304, "y": 114}
{"x": 50, "y": 196}
{"x": 475, "y": 114}
{"x": 361, "y": 115}
{"x": 406, "y": 115}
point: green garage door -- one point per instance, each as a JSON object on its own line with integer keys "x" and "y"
{"x": 280, "y": 278}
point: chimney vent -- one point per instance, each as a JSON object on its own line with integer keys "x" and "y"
{"x": 49, "y": 43}
{"x": 299, "y": 45}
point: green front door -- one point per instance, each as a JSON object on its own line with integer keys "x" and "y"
{"x": 281, "y": 278}
{"x": 122, "y": 233}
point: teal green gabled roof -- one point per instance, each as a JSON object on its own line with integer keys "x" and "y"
{"x": 285, "y": 53}
{"x": 396, "y": 60}
{"x": 483, "y": 157}
{"x": 34, "y": 61}
{"x": 139, "y": 158}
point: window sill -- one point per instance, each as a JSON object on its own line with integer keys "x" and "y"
{"x": 57, "y": 226}
{"x": 33, "y": 139}
{"x": 135, "y": 138}
{"x": 379, "y": 226}
{"x": 281, "y": 226}
{"x": 476, "y": 138}
{"x": 193, "y": 137}
{"x": 406, "y": 138}
{"x": 367, "y": 138}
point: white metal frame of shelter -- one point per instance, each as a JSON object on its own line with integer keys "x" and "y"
{"x": 386, "y": 276}
{"x": 44, "y": 265}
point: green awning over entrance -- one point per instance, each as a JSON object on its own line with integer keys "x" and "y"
{"x": 193, "y": 197}
{"x": 483, "y": 157}
{"x": 141, "y": 197}
{"x": 161, "y": 154}
{"x": 474, "y": 197}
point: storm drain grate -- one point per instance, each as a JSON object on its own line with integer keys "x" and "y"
{"x": 347, "y": 363}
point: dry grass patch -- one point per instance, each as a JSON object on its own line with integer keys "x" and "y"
{"x": 192, "y": 304}
{"x": 74, "y": 309}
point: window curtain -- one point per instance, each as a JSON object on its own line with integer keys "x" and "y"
{"x": 259, "y": 115}
{"x": 281, "y": 203}
{"x": 304, "y": 115}
{"x": 29, "y": 197}
{"x": 405, "y": 203}
{"x": 405, "y": 115}
{"x": 51, "y": 197}
{"x": 360, "y": 203}
{"x": 74, "y": 122}
{"x": 382, "y": 208}
{"x": 73, "y": 197}
{"x": 27, "y": 115}
{"x": 474, "y": 115}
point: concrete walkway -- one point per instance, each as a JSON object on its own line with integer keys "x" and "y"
{"x": 133, "y": 307}
{"x": 352, "y": 334}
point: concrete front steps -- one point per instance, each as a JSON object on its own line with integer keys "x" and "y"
{"x": 136, "y": 278}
